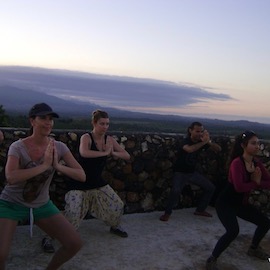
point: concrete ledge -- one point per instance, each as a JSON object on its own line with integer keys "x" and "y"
{"x": 182, "y": 243}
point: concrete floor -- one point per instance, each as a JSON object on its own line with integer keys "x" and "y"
{"x": 182, "y": 243}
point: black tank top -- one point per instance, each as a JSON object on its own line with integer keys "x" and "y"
{"x": 93, "y": 168}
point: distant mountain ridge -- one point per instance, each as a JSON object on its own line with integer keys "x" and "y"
{"x": 21, "y": 87}
{"x": 18, "y": 101}
{"x": 124, "y": 93}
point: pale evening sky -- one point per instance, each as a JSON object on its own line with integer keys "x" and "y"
{"x": 220, "y": 46}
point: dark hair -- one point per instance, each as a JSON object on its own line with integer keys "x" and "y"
{"x": 241, "y": 139}
{"x": 97, "y": 114}
{"x": 42, "y": 109}
{"x": 192, "y": 125}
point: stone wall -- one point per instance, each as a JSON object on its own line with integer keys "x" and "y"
{"x": 144, "y": 182}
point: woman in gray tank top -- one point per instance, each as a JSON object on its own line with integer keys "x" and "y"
{"x": 30, "y": 166}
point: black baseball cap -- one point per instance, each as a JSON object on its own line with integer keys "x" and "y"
{"x": 42, "y": 109}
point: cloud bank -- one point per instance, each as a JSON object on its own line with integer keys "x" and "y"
{"x": 113, "y": 91}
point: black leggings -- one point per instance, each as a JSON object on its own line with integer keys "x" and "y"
{"x": 227, "y": 216}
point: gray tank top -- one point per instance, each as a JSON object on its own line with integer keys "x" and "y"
{"x": 33, "y": 192}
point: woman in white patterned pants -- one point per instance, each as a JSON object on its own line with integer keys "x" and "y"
{"x": 103, "y": 203}
{"x": 95, "y": 195}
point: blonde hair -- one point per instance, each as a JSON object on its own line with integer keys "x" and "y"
{"x": 97, "y": 114}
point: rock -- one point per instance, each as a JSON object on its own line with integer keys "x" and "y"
{"x": 133, "y": 197}
{"x": 145, "y": 180}
{"x": 73, "y": 136}
{"x": 144, "y": 146}
{"x": 148, "y": 203}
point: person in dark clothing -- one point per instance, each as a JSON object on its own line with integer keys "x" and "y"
{"x": 185, "y": 172}
{"x": 246, "y": 173}
{"x": 95, "y": 195}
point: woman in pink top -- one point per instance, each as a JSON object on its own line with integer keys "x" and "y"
{"x": 246, "y": 173}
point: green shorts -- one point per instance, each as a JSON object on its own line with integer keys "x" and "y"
{"x": 19, "y": 212}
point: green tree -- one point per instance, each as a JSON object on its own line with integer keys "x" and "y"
{"x": 4, "y": 119}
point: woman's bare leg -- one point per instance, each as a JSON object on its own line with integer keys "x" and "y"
{"x": 58, "y": 227}
{"x": 7, "y": 230}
